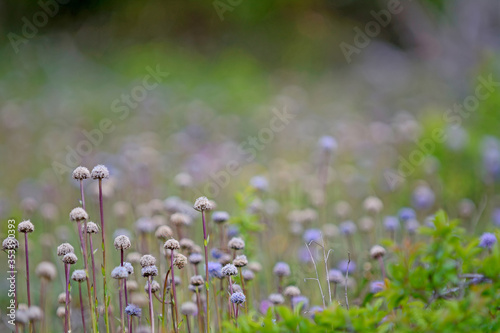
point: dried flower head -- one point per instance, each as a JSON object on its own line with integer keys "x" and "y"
{"x": 134, "y": 257}
{"x": 61, "y": 312}
{"x": 149, "y": 271}
{"x": 163, "y": 232}
{"x": 46, "y": 270}
{"x": 220, "y": 217}
{"x": 122, "y": 243}
{"x": 197, "y": 280}
{"x": 133, "y": 310}
{"x": 255, "y": 267}
{"x": 10, "y": 243}
{"x": 229, "y": 270}
{"x": 195, "y": 258}
{"x": 281, "y": 269}
{"x": 236, "y": 243}
{"x": 291, "y": 291}
{"x": 70, "y": 258}
{"x": 186, "y": 244}
{"x": 61, "y": 298}
{"x": 373, "y": 204}
{"x": 132, "y": 285}
{"x": 335, "y": 276}
{"x": 276, "y": 299}
{"x": 180, "y": 261}
{"x": 377, "y": 251}
{"x": 172, "y": 244}
{"x": 99, "y": 172}
{"x": 26, "y": 227}
{"x": 180, "y": 219}
{"x": 366, "y": 224}
{"x": 225, "y": 258}
{"x": 155, "y": 286}
{"x": 240, "y": 261}
{"x": 35, "y": 313}
{"x": 64, "y": 249}
{"x": 119, "y": 272}
{"x": 79, "y": 275}
{"x": 238, "y": 298}
{"x": 348, "y": 228}
{"x": 81, "y": 173}
{"x": 78, "y": 214}
{"x": 147, "y": 260}
{"x": 128, "y": 266}
{"x": 248, "y": 275}
{"x": 189, "y": 309}
{"x": 92, "y": 228}
{"x": 183, "y": 180}
{"x": 202, "y": 204}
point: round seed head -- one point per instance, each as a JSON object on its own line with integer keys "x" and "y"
{"x": 186, "y": 244}
{"x": 377, "y": 251}
{"x": 195, "y": 258}
{"x": 122, "y": 243}
{"x": 248, "y": 275}
{"x": 229, "y": 270}
{"x": 100, "y": 172}
{"x": 64, "y": 249}
{"x": 81, "y": 173}
{"x": 189, "y": 309}
{"x": 366, "y": 224}
{"x": 197, "y": 280}
{"x": 35, "y": 313}
{"x": 128, "y": 266}
{"x": 276, "y": 299}
{"x": 149, "y": 271}
{"x": 132, "y": 285}
{"x": 78, "y": 214}
{"x": 202, "y": 204}
{"x": 10, "y": 243}
{"x": 172, "y": 244}
{"x": 70, "y": 258}
{"x": 255, "y": 267}
{"x": 155, "y": 286}
{"x": 46, "y": 270}
{"x": 291, "y": 291}
{"x": 180, "y": 219}
{"x": 335, "y": 276}
{"x": 163, "y": 232}
{"x": 26, "y": 227}
{"x": 236, "y": 243}
{"x": 183, "y": 180}
{"x": 238, "y": 298}
{"x": 61, "y": 298}
{"x": 180, "y": 261}
{"x": 134, "y": 257}
{"x": 147, "y": 260}
{"x": 215, "y": 270}
{"x": 119, "y": 272}
{"x": 225, "y": 258}
{"x": 348, "y": 227}
{"x": 61, "y": 312}
{"x": 133, "y": 310}
{"x": 281, "y": 269}
{"x": 145, "y": 225}
{"x": 220, "y": 217}
{"x": 79, "y": 275}
{"x": 373, "y": 204}
{"x": 240, "y": 261}
{"x": 92, "y": 228}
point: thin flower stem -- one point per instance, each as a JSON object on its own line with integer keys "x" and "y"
{"x": 129, "y": 324}
{"x": 172, "y": 285}
{"x": 81, "y": 307}
{"x": 105, "y": 290}
{"x": 151, "y": 315}
{"x": 244, "y": 290}
{"x": 187, "y": 323}
{"x": 124, "y": 281}
{"x": 163, "y": 299}
{"x": 317, "y": 276}
{"x": 382, "y": 268}
{"x": 205, "y": 243}
{"x": 27, "y": 268}
{"x": 120, "y": 300}
{"x": 66, "y": 312}
{"x": 346, "y": 279}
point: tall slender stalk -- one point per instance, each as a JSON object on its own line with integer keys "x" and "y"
{"x": 67, "y": 325}
{"x": 105, "y": 290}
{"x": 151, "y": 315}
{"x": 81, "y": 307}
{"x": 172, "y": 284}
{"x": 205, "y": 243}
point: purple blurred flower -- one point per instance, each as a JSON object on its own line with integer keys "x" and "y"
{"x": 391, "y": 223}
{"x": 259, "y": 183}
{"x": 296, "y": 300}
{"x": 376, "y": 286}
{"x": 312, "y": 235}
{"x": 265, "y": 305}
{"x": 281, "y": 269}
{"x": 327, "y": 143}
{"x": 406, "y": 213}
{"x": 423, "y": 197}
{"x": 216, "y": 253}
{"x": 315, "y": 309}
{"x": 412, "y": 226}
{"x": 487, "y": 240}
{"x": 342, "y": 266}
{"x": 232, "y": 231}
{"x": 347, "y": 227}
{"x": 215, "y": 270}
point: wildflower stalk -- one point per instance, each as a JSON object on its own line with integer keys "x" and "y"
{"x": 188, "y": 326}
{"x": 124, "y": 283}
{"x": 67, "y": 323}
{"x": 205, "y": 243}
{"x": 151, "y": 315}
{"x": 105, "y": 290}
{"x": 346, "y": 278}
{"x": 317, "y": 276}
{"x": 28, "y": 275}
{"x": 172, "y": 284}
{"x": 81, "y": 307}
{"x": 163, "y": 299}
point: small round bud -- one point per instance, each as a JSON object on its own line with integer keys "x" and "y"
{"x": 155, "y": 286}
{"x": 61, "y": 298}
{"x": 202, "y": 204}
{"x": 248, "y": 275}
{"x": 79, "y": 275}
{"x": 132, "y": 285}
{"x": 229, "y": 270}
{"x": 163, "y": 232}
{"x": 46, "y": 270}
{"x": 236, "y": 243}
{"x": 70, "y": 258}
{"x": 197, "y": 280}
{"x": 147, "y": 260}
{"x": 180, "y": 219}
{"x": 61, "y": 312}
{"x": 220, "y": 217}
{"x": 238, "y": 298}
{"x": 186, "y": 244}
{"x": 373, "y": 205}
{"x": 276, "y": 299}
{"x": 149, "y": 271}
{"x": 92, "y": 228}
{"x": 335, "y": 276}
{"x": 10, "y": 243}
{"x": 64, "y": 249}
{"x": 122, "y": 243}
{"x": 35, "y": 313}
{"x": 240, "y": 261}
{"x": 225, "y": 258}
{"x": 195, "y": 258}
{"x": 255, "y": 267}
{"x": 180, "y": 261}
{"x": 26, "y": 227}
{"x": 172, "y": 244}
{"x": 291, "y": 291}
{"x": 100, "y": 172}
{"x": 78, "y": 214}
{"x": 119, "y": 273}
{"x": 81, "y": 173}
{"x": 281, "y": 269}
{"x": 377, "y": 251}
{"x": 134, "y": 257}
{"x": 189, "y": 309}
{"x": 133, "y": 310}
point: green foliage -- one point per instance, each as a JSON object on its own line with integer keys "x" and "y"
{"x": 426, "y": 291}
